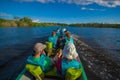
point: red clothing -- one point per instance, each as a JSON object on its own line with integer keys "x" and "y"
{"x": 58, "y": 65}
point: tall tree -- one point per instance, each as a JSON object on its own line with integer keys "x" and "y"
{"x": 26, "y": 19}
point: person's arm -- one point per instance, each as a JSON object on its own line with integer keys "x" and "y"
{"x": 59, "y": 54}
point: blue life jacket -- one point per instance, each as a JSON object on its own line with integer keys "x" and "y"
{"x": 58, "y": 33}
{"x": 69, "y": 41}
{"x": 53, "y": 39}
{"x": 69, "y": 64}
{"x": 62, "y": 33}
{"x": 43, "y": 61}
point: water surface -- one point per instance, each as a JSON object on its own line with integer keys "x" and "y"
{"x": 105, "y": 38}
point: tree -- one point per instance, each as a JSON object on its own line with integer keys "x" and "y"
{"x": 26, "y": 19}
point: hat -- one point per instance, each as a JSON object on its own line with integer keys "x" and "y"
{"x": 58, "y": 30}
{"x": 69, "y": 51}
{"x": 39, "y": 47}
{"x": 64, "y": 29}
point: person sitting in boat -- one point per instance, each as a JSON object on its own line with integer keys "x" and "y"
{"x": 62, "y": 32}
{"x": 65, "y": 32}
{"x": 39, "y": 58}
{"x": 58, "y": 32}
{"x": 68, "y": 59}
{"x": 69, "y": 38}
{"x": 60, "y": 43}
{"x": 53, "y": 39}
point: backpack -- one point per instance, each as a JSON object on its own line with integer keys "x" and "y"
{"x": 73, "y": 73}
{"x": 36, "y": 71}
{"x": 49, "y": 47}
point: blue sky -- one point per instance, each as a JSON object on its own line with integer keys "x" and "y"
{"x": 63, "y": 11}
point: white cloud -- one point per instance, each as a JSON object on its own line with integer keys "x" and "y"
{"x": 41, "y": 1}
{"x": 78, "y": 2}
{"x": 36, "y": 20}
{"x": 92, "y": 9}
{"x": 107, "y": 3}
{"x": 45, "y": 1}
{"x": 24, "y": 0}
{"x": 83, "y": 8}
{"x": 2, "y": 14}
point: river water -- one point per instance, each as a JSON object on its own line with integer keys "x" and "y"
{"x": 15, "y": 43}
{"x": 100, "y": 38}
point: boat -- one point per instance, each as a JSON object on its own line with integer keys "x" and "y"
{"x": 25, "y": 75}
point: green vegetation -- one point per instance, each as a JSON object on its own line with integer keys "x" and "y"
{"x": 27, "y": 22}
{"x": 100, "y": 25}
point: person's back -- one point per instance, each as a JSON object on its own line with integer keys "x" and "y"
{"x": 60, "y": 43}
{"x": 66, "y": 64}
{"x": 58, "y": 33}
{"x": 39, "y": 58}
{"x": 53, "y": 39}
{"x": 68, "y": 60}
{"x": 69, "y": 38}
{"x": 40, "y": 61}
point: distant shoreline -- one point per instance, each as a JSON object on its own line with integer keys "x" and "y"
{"x": 96, "y": 25}
{"x": 27, "y": 22}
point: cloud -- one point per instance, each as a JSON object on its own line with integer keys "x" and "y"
{"x": 83, "y": 8}
{"x": 92, "y": 9}
{"x": 107, "y": 3}
{"x": 45, "y": 1}
{"x": 2, "y": 14}
{"x": 24, "y": 0}
{"x": 41, "y": 1}
{"x": 78, "y": 2}
{"x": 36, "y": 20}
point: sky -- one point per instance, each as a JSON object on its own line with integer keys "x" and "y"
{"x": 63, "y": 11}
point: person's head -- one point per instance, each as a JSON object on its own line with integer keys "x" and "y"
{"x": 39, "y": 47}
{"x": 68, "y": 35}
{"x": 65, "y": 32}
{"x": 63, "y": 29}
{"x": 53, "y": 33}
{"x": 69, "y": 51}
{"x": 58, "y": 30}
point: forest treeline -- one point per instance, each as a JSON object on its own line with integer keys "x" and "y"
{"x": 27, "y": 22}
{"x": 100, "y": 25}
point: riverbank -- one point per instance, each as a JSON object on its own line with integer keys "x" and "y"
{"x": 27, "y": 22}
{"x": 96, "y": 25}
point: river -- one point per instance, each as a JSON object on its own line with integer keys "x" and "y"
{"x": 106, "y": 40}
